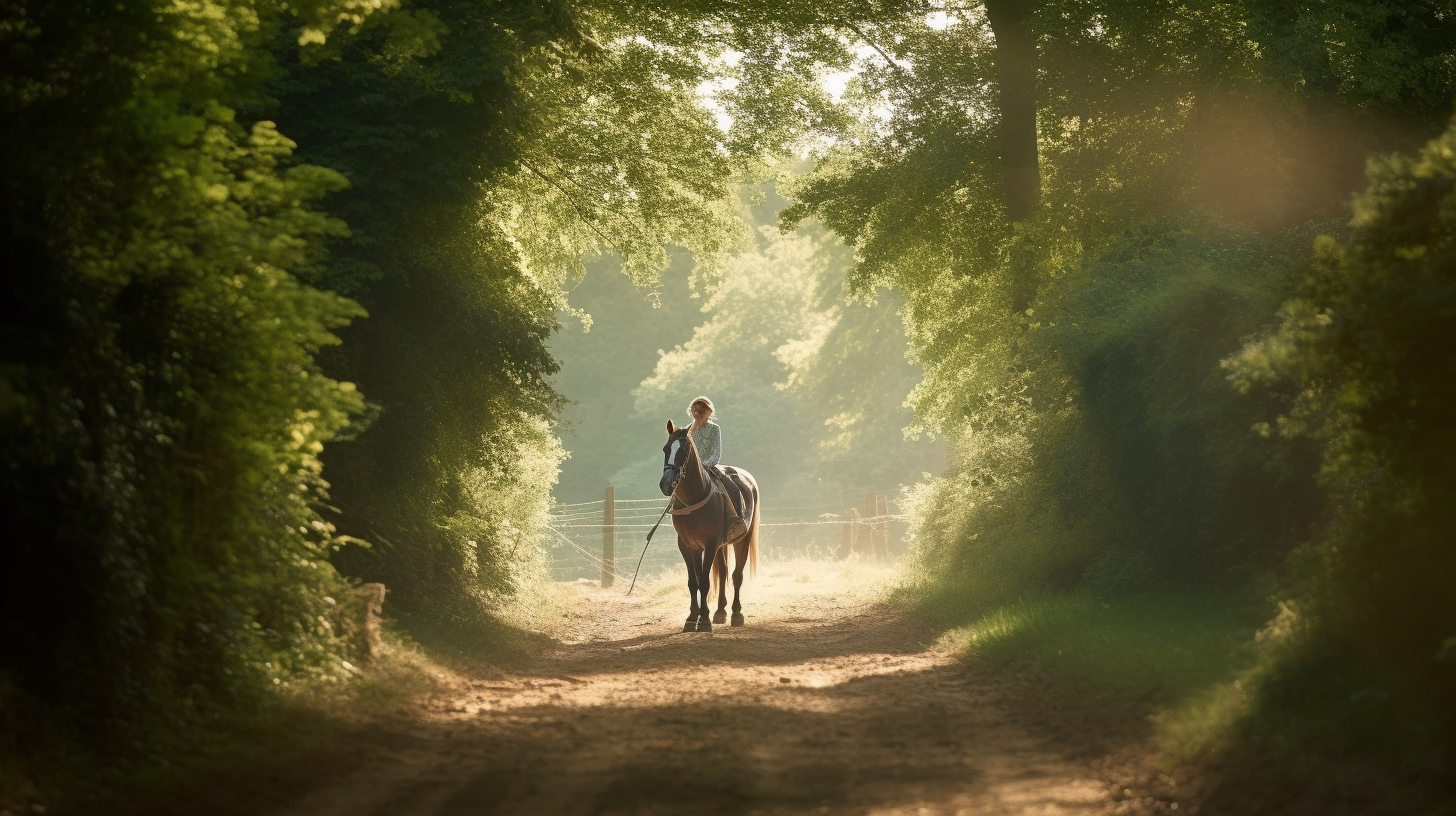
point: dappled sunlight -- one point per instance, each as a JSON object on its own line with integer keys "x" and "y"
{"x": 828, "y": 701}
{"x": 778, "y": 685}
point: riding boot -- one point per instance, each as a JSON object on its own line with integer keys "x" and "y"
{"x": 737, "y": 508}
{"x": 736, "y": 529}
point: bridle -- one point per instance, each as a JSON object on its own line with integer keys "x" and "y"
{"x": 683, "y": 511}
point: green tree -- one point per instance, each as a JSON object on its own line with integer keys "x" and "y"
{"x": 162, "y": 413}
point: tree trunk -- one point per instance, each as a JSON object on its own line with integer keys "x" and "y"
{"x": 1016, "y": 99}
{"x": 1016, "y": 77}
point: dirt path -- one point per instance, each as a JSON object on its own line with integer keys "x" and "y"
{"x": 824, "y": 703}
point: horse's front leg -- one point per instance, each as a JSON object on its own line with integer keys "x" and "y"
{"x": 720, "y": 561}
{"x": 692, "y": 559}
{"x": 705, "y": 585}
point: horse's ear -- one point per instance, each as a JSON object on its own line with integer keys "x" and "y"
{"x": 671, "y": 429}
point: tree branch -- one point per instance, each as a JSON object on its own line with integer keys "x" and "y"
{"x": 572, "y": 200}
{"x": 894, "y": 66}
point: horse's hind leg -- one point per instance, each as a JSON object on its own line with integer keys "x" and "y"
{"x": 740, "y": 552}
{"x": 721, "y": 563}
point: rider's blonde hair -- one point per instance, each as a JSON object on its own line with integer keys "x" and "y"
{"x": 705, "y": 402}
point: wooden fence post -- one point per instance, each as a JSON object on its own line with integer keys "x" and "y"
{"x": 868, "y": 548}
{"x": 882, "y": 510}
{"x": 849, "y": 533}
{"x": 609, "y": 538}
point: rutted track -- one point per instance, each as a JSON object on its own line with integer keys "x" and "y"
{"x": 825, "y": 703}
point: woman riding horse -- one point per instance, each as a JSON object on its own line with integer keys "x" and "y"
{"x": 708, "y": 437}
{"x": 701, "y": 511}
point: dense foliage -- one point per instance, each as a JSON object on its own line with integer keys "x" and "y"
{"x": 200, "y": 199}
{"x": 419, "y": 109}
{"x": 1188, "y": 155}
{"x": 1367, "y": 346}
{"x": 1085, "y": 208}
{"x": 163, "y": 413}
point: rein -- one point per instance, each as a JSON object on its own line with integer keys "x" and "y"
{"x": 682, "y": 511}
{"x": 670, "y": 500}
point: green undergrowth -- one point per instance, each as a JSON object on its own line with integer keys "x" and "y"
{"x": 1185, "y": 656}
{"x": 1165, "y": 648}
{"x": 471, "y": 645}
{"x": 1228, "y": 685}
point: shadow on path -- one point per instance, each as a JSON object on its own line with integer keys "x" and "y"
{"x": 807, "y": 713}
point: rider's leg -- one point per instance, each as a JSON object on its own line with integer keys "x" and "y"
{"x": 734, "y": 526}
{"x": 746, "y": 496}
{"x": 738, "y": 527}
{"x": 725, "y": 481}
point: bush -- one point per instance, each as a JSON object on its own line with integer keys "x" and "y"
{"x": 1369, "y": 348}
{"x": 1103, "y": 447}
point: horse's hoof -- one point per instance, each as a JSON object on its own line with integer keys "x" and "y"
{"x": 690, "y": 626}
{"x": 721, "y": 617}
{"x": 704, "y": 625}
{"x": 737, "y": 618}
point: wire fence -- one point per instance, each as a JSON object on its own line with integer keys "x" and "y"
{"x": 825, "y": 525}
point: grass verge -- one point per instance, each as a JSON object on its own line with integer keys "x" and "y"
{"x": 1193, "y": 699}
{"x": 1180, "y": 655}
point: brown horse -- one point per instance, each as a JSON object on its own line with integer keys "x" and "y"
{"x": 700, "y": 511}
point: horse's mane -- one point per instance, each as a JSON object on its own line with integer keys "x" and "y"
{"x": 687, "y": 433}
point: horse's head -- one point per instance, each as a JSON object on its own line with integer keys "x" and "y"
{"x": 674, "y": 457}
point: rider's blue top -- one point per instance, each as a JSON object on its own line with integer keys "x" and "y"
{"x": 709, "y": 441}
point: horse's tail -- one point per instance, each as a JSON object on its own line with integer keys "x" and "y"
{"x": 753, "y": 535}
{"x": 720, "y": 564}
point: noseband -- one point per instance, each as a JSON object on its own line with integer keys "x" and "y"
{"x": 677, "y": 475}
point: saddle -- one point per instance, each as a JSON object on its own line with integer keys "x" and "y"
{"x": 738, "y": 497}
